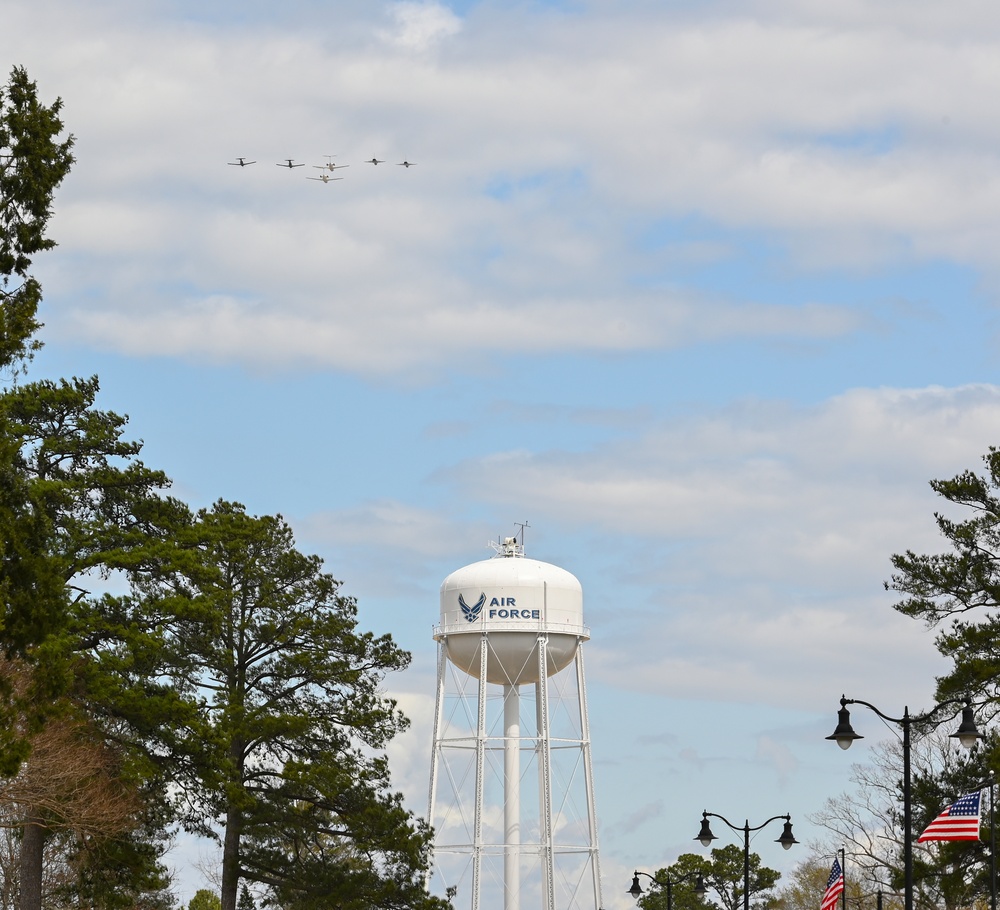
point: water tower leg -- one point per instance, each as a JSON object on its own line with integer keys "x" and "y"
{"x": 545, "y": 776}
{"x": 511, "y": 797}
{"x": 477, "y": 833}
{"x": 442, "y": 671}
{"x": 588, "y": 774}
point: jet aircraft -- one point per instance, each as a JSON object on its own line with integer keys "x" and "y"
{"x": 290, "y": 164}
{"x": 405, "y": 163}
{"x": 375, "y": 161}
{"x": 241, "y": 162}
{"x": 326, "y": 178}
{"x": 329, "y": 166}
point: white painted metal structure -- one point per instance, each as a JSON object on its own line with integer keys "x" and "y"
{"x": 509, "y": 626}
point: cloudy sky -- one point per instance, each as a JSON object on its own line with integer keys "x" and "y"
{"x": 703, "y": 292}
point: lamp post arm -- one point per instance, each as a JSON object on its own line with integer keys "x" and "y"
{"x": 746, "y": 828}
{"x": 677, "y": 879}
{"x": 844, "y": 702}
{"x": 652, "y": 877}
{"x": 907, "y": 717}
{"x": 787, "y": 817}
{"x": 723, "y": 818}
{"x": 965, "y": 702}
{"x": 670, "y": 879}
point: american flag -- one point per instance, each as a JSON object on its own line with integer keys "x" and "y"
{"x": 960, "y": 821}
{"x": 834, "y": 887}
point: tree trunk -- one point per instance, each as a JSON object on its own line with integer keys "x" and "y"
{"x": 32, "y": 847}
{"x": 230, "y": 859}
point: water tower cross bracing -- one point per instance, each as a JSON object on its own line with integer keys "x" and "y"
{"x": 511, "y": 790}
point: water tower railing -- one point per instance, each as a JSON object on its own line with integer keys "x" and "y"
{"x": 512, "y": 625}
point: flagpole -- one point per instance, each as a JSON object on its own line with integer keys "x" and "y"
{"x": 843, "y": 872}
{"x": 993, "y": 842}
{"x": 991, "y": 784}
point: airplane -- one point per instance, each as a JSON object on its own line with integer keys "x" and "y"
{"x": 405, "y": 163}
{"x": 241, "y": 162}
{"x": 330, "y": 166}
{"x": 375, "y": 161}
{"x": 290, "y": 165}
{"x": 326, "y": 178}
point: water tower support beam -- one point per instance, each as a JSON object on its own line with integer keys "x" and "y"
{"x": 588, "y": 776}
{"x": 477, "y": 837}
{"x": 545, "y": 775}
{"x": 436, "y": 749}
{"x": 512, "y": 797}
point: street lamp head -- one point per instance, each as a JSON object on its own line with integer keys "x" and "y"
{"x": 967, "y": 733}
{"x": 635, "y": 890}
{"x": 787, "y": 838}
{"x": 699, "y": 887}
{"x": 705, "y": 835}
{"x": 844, "y": 735}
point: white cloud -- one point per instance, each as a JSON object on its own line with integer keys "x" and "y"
{"x": 854, "y": 138}
{"x": 764, "y": 533}
{"x": 419, "y": 26}
{"x": 416, "y": 331}
{"x": 389, "y": 526}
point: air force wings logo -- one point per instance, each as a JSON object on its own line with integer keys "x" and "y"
{"x": 472, "y": 613}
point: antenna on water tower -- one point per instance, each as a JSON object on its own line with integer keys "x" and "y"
{"x": 509, "y": 627}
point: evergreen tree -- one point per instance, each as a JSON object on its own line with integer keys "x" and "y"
{"x": 723, "y": 875}
{"x": 33, "y": 162}
{"x": 284, "y": 755}
{"x": 958, "y": 592}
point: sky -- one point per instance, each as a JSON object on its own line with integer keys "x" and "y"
{"x": 704, "y": 293}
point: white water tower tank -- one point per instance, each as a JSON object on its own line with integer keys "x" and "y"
{"x": 512, "y": 599}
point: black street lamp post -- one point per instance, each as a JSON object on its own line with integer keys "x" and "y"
{"x": 967, "y": 734}
{"x": 668, "y": 884}
{"x": 706, "y": 837}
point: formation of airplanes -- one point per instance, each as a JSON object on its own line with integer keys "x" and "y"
{"x": 329, "y": 167}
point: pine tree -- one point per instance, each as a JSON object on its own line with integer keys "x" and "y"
{"x": 285, "y": 754}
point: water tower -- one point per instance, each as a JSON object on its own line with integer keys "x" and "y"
{"x": 512, "y": 790}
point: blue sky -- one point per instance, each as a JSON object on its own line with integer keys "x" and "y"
{"x": 705, "y": 293}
